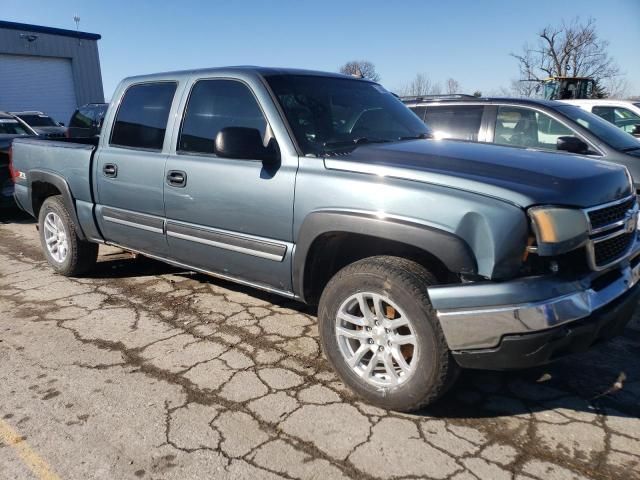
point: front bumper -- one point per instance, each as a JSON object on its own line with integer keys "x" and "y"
{"x": 484, "y": 316}
{"x": 532, "y": 349}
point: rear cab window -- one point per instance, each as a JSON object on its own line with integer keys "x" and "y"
{"x": 141, "y": 120}
{"x": 82, "y": 118}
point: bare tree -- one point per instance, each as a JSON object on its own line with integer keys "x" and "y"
{"x": 616, "y": 87}
{"x": 524, "y": 88}
{"x": 360, "y": 68}
{"x": 571, "y": 49}
{"x": 421, "y": 85}
{"x": 452, "y": 86}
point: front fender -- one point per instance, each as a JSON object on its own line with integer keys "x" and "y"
{"x": 450, "y": 249}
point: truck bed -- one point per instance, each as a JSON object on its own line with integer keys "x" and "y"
{"x": 69, "y": 159}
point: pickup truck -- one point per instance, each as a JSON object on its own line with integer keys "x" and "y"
{"x": 424, "y": 256}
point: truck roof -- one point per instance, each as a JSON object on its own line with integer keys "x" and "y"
{"x": 241, "y": 69}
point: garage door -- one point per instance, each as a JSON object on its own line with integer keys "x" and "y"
{"x": 37, "y": 83}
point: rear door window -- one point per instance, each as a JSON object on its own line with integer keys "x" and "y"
{"x": 141, "y": 121}
{"x": 461, "y": 122}
{"x": 214, "y": 105}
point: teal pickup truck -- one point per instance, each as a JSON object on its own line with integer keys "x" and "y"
{"x": 424, "y": 256}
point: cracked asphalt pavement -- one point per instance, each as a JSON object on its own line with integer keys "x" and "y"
{"x": 141, "y": 370}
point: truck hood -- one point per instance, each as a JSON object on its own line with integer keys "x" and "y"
{"x": 520, "y": 176}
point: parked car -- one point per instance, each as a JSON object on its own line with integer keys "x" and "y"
{"x": 528, "y": 123}
{"x": 10, "y": 128}
{"x": 624, "y": 114}
{"x": 42, "y": 124}
{"x": 87, "y": 120}
{"x": 424, "y": 256}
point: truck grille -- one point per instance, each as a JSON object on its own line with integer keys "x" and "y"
{"x": 613, "y": 232}
{"x": 612, "y": 214}
{"x": 608, "y": 251}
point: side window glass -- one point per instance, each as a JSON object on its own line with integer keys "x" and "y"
{"x": 141, "y": 120}
{"x": 82, "y": 118}
{"x": 460, "y": 122}
{"x": 214, "y": 105}
{"x": 523, "y": 127}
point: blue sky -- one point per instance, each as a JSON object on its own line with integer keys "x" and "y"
{"x": 468, "y": 40}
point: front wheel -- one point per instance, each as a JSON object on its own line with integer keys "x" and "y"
{"x": 65, "y": 251}
{"x": 382, "y": 336}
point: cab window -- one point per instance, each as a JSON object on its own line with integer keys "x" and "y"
{"x": 524, "y": 127}
{"x": 141, "y": 121}
{"x": 214, "y": 105}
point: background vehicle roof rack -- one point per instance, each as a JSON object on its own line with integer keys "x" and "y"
{"x": 422, "y": 98}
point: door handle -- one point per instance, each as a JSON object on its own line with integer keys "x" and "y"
{"x": 176, "y": 178}
{"x": 110, "y": 170}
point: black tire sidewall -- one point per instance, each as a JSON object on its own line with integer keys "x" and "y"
{"x": 52, "y": 204}
{"x": 395, "y": 288}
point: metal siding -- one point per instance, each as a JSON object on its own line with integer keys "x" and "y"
{"x": 83, "y": 54}
{"x": 37, "y": 83}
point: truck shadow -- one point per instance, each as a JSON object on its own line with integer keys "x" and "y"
{"x": 603, "y": 381}
{"x": 14, "y": 215}
{"x": 582, "y": 385}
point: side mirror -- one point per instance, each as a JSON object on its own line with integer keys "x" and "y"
{"x": 245, "y": 144}
{"x": 61, "y": 124}
{"x": 636, "y": 131}
{"x": 572, "y": 145}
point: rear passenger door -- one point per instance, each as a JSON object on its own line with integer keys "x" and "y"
{"x": 129, "y": 169}
{"x": 228, "y": 216}
{"x": 460, "y": 122}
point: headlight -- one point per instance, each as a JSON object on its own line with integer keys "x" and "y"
{"x": 558, "y": 230}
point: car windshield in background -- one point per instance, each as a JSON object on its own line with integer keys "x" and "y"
{"x": 9, "y": 126}
{"x": 39, "y": 120}
{"x": 605, "y": 131}
{"x": 330, "y": 114}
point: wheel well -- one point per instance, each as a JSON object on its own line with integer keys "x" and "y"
{"x": 332, "y": 251}
{"x": 40, "y": 191}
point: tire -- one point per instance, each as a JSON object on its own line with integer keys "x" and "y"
{"x": 398, "y": 287}
{"x": 73, "y": 257}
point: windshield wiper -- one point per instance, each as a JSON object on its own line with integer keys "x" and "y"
{"x": 420, "y": 136}
{"x": 354, "y": 142}
{"x": 630, "y": 149}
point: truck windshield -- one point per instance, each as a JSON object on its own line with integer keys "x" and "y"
{"x": 605, "y": 131}
{"x": 330, "y": 114}
{"x": 36, "y": 120}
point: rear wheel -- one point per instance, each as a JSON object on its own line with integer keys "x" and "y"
{"x": 382, "y": 336}
{"x": 64, "y": 250}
